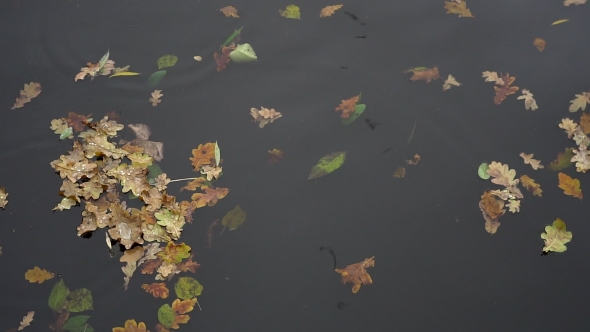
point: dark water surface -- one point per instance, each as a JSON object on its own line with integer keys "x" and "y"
{"x": 436, "y": 269}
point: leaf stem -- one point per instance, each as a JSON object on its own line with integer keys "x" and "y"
{"x": 185, "y": 179}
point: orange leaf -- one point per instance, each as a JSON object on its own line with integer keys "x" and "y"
{"x": 570, "y": 186}
{"x": 188, "y": 265}
{"x": 347, "y": 106}
{"x": 505, "y": 89}
{"x": 210, "y": 197}
{"x": 223, "y": 59}
{"x": 76, "y": 121}
{"x": 203, "y": 155}
{"x": 38, "y": 275}
{"x": 424, "y": 74}
{"x": 230, "y": 11}
{"x": 356, "y": 274}
{"x": 531, "y": 185}
{"x": 180, "y": 308}
{"x": 131, "y": 326}
{"x": 329, "y": 10}
{"x": 539, "y": 44}
{"x": 157, "y": 289}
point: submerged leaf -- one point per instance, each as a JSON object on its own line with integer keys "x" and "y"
{"x": 167, "y": 61}
{"x": 458, "y": 7}
{"x": 229, "y": 11}
{"x": 234, "y": 218}
{"x": 358, "y": 110}
{"x": 156, "y": 77}
{"x": 327, "y": 165}
{"x": 329, "y": 10}
{"x": 291, "y": 11}
{"x": 563, "y": 160}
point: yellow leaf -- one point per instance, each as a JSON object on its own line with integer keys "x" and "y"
{"x": 570, "y": 186}
{"x": 38, "y": 275}
{"x": 125, "y": 73}
{"x": 531, "y": 185}
{"x": 560, "y": 21}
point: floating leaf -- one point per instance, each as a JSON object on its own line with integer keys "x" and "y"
{"x": 458, "y": 7}
{"x": 124, "y": 73}
{"x": 560, "y": 21}
{"x": 167, "y": 61}
{"x": 230, "y": 11}
{"x": 400, "y": 172}
{"x": 217, "y": 154}
{"x": 358, "y": 110}
{"x": 66, "y": 133}
{"x": 132, "y": 326}
{"x": 540, "y": 44}
{"x": 103, "y": 61}
{"x": 329, "y": 10}
{"x": 26, "y": 321}
{"x": 504, "y": 90}
{"x": 165, "y": 315}
{"x": 556, "y": 237}
{"x": 531, "y": 185}
{"x": 58, "y": 295}
{"x": 570, "y": 186}
{"x": 38, "y": 275}
{"x": 3, "y": 196}
{"x": 563, "y": 160}
{"x": 274, "y": 155}
{"x": 327, "y": 165}
{"x": 234, "y": 218}
{"x": 347, "y": 106}
{"x": 156, "y": 77}
{"x": 186, "y": 288}
{"x": 75, "y": 323}
{"x": 482, "y": 171}
{"x": 428, "y": 74}
{"x": 155, "y": 99}
{"x": 291, "y": 11}
{"x": 79, "y": 300}
{"x": 357, "y": 274}
{"x": 29, "y": 92}
{"x": 157, "y": 289}
{"x": 243, "y": 53}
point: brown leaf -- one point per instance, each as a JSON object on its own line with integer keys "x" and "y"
{"x": 77, "y": 122}
{"x": 223, "y": 59}
{"x": 210, "y": 197}
{"x": 210, "y": 233}
{"x": 157, "y": 289}
{"x": 274, "y": 156}
{"x": 400, "y": 172}
{"x": 264, "y": 115}
{"x": 356, "y": 274}
{"x": 528, "y": 159}
{"x": 539, "y": 44}
{"x": 229, "y": 11}
{"x": 188, "y": 265}
{"x": 329, "y": 10}
{"x": 26, "y": 320}
{"x": 151, "y": 265}
{"x": 505, "y": 89}
{"x": 30, "y": 91}
{"x": 570, "y": 186}
{"x": 347, "y": 106}
{"x": 458, "y": 7}
{"x": 531, "y": 185}
{"x": 491, "y": 206}
{"x": 585, "y": 122}
{"x": 427, "y": 75}
{"x": 203, "y": 155}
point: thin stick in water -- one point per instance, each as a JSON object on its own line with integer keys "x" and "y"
{"x": 412, "y": 134}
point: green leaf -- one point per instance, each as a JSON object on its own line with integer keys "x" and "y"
{"x": 291, "y": 11}
{"x": 243, "y": 53}
{"x": 563, "y": 160}
{"x": 327, "y": 165}
{"x": 233, "y": 36}
{"x": 75, "y": 322}
{"x": 234, "y": 218}
{"x": 166, "y": 315}
{"x": 124, "y": 73}
{"x": 66, "y": 133}
{"x": 156, "y": 77}
{"x": 154, "y": 171}
{"x": 58, "y": 295}
{"x": 79, "y": 300}
{"x": 103, "y": 60}
{"x": 217, "y": 154}
{"x": 556, "y": 237}
{"x": 186, "y": 288}
{"x": 358, "y": 110}
{"x": 482, "y": 171}
{"x": 167, "y": 61}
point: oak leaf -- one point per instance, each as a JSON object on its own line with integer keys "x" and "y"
{"x": 26, "y": 320}
{"x": 38, "y": 275}
{"x": 131, "y": 178}
{"x": 29, "y": 92}
{"x": 505, "y": 89}
{"x": 329, "y": 10}
{"x": 573, "y": 2}
{"x": 529, "y": 101}
{"x": 428, "y": 74}
{"x": 210, "y": 197}
{"x": 264, "y": 115}
{"x": 570, "y": 186}
{"x": 188, "y": 265}
{"x": 155, "y": 99}
{"x": 528, "y": 159}
{"x": 347, "y": 106}
{"x": 579, "y": 103}
{"x": 229, "y": 11}
{"x": 513, "y": 205}
{"x": 531, "y": 185}
{"x": 142, "y": 135}
{"x": 199, "y": 182}
{"x": 491, "y": 206}
{"x": 132, "y": 326}
{"x": 223, "y": 59}
{"x": 556, "y": 237}
{"x": 157, "y": 289}
{"x": 400, "y": 172}
{"x": 203, "y": 155}
{"x": 449, "y": 82}
{"x": 211, "y": 172}
{"x": 459, "y": 8}
{"x": 3, "y": 196}
{"x": 569, "y": 126}
{"x": 356, "y": 274}
{"x": 582, "y": 158}
{"x": 181, "y": 307}
{"x": 585, "y": 122}
{"x": 77, "y": 122}
{"x": 492, "y": 76}
{"x": 504, "y": 176}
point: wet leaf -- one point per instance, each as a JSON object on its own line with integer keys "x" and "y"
{"x": 203, "y": 155}
{"x": 329, "y": 10}
{"x": 180, "y": 309}
{"x": 175, "y": 253}
{"x": 504, "y": 176}
{"x": 75, "y": 322}
{"x": 234, "y": 218}
{"x": 529, "y": 102}
{"x": 142, "y": 135}
{"x": 492, "y": 76}
{"x": 563, "y": 160}
{"x": 528, "y": 159}
{"x": 570, "y": 186}
{"x": 156, "y": 77}
{"x": 158, "y": 289}
{"x": 132, "y": 326}
{"x": 217, "y": 154}
{"x": 400, "y": 172}
{"x": 291, "y": 11}
{"x": 459, "y": 8}
{"x": 504, "y": 90}
{"x": 531, "y": 185}
{"x": 560, "y": 21}
{"x": 482, "y": 171}
{"x": 223, "y": 59}
{"x": 556, "y": 237}
{"x": 449, "y": 82}
{"x": 167, "y": 61}
{"x": 26, "y": 320}
{"x": 427, "y": 75}
{"x": 585, "y": 122}
{"x": 58, "y": 295}
{"x": 229, "y": 11}
{"x": 492, "y": 206}
{"x": 358, "y": 110}
{"x": 172, "y": 220}
{"x": 210, "y": 197}
{"x": 264, "y": 115}
{"x": 540, "y": 44}
{"x": 347, "y": 106}
{"x": 79, "y": 300}
{"x": 327, "y": 165}
{"x": 243, "y": 53}
{"x": 579, "y": 103}
{"x": 38, "y": 275}
{"x": 3, "y": 197}
{"x": 356, "y": 274}
{"x": 187, "y": 288}
{"x": 155, "y": 99}
{"x": 29, "y": 92}
{"x": 274, "y": 155}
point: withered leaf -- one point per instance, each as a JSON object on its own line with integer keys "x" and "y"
{"x": 531, "y": 185}
{"x": 229, "y": 11}
{"x": 539, "y": 44}
{"x": 3, "y": 196}
{"x": 449, "y": 82}
{"x": 529, "y": 101}
{"x": 210, "y": 197}
{"x": 155, "y": 99}
{"x": 29, "y": 92}
{"x": 274, "y": 156}
{"x": 459, "y": 8}
{"x": 26, "y": 320}
{"x": 428, "y": 74}
{"x": 356, "y": 274}
{"x": 492, "y": 76}
{"x": 157, "y": 289}
{"x": 264, "y": 115}
{"x": 223, "y": 59}
{"x": 142, "y": 135}
{"x": 504, "y": 90}
{"x": 77, "y": 122}
{"x": 400, "y": 172}
{"x": 569, "y": 126}
{"x": 570, "y": 186}
{"x": 347, "y": 106}
{"x": 579, "y": 103}
{"x": 528, "y": 159}
{"x": 329, "y": 10}
{"x": 38, "y": 275}
{"x": 203, "y": 155}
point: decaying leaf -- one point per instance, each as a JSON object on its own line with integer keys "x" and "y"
{"x": 131, "y": 326}
{"x": 26, "y": 320}
{"x": 211, "y": 172}
{"x": 3, "y": 196}
{"x": 491, "y": 209}
{"x": 449, "y": 82}
{"x": 415, "y": 161}
{"x": 458, "y": 7}
{"x": 356, "y": 274}
{"x": 347, "y": 106}
{"x": 223, "y": 59}
{"x": 38, "y": 275}
{"x": 563, "y": 160}
{"x": 29, "y": 92}
{"x": 291, "y": 11}
{"x": 528, "y": 159}
{"x": 130, "y": 257}
{"x": 428, "y": 74}
{"x": 504, "y": 90}
{"x": 579, "y": 103}
{"x": 103, "y": 67}
{"x": 570, "y": 186}
{"x": 529, "y": 101}
{"x": 157, "y": 289}
{"x": 142, "y": 134}
{"x": 492, "y": 76}
{"x": 400, "y": 172}
{"x": 585, "y": 122}
{"x": 540, "y": 44}
{"x": 556, "y": 236}
{"x": 274, "y": 156}
{"x": 234, "y": 218}
{"x": 329, "y": 10}
{"x": 264, "y": 115}
{"x": 210, "y": 233}
{"x": 155, "y": 99}
{"x": 203, "y": 155}
{"x": 531, "y": 185}
{"x": 569, "y": 126}
{"x": 582, "y": 158}
{"x": 229, "y": 11}
{"x": 210, "y": 197}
